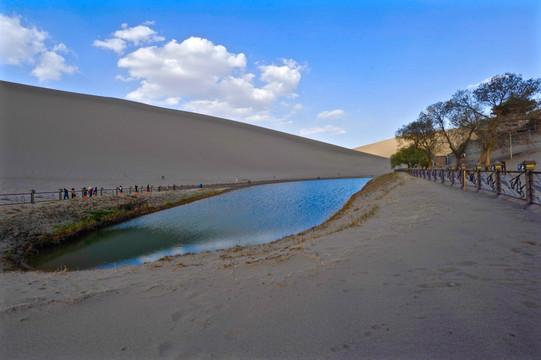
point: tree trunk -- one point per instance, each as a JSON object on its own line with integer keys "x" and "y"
{"x": 482, "y": 158}
{"x": 489, "y": 150}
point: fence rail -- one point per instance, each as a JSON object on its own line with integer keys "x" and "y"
{"x": 524, "y": 185}
{"x": 32, "y": 197}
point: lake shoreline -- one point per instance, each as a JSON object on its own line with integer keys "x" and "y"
{"x": 254, "y": 215}
{"x": 408, "y": 269}
{"x": 60, "y": 222}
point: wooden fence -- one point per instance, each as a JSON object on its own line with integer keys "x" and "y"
{"x": 523, "y": 185}
{"x": 32, "y": 197}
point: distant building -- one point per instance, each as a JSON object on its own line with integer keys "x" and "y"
{"x": 440, "y": 161}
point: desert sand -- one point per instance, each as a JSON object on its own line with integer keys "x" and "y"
{"x": 410, "y": 269}
{"x": 383, "y": 148}
{"x": 53, "y": 139}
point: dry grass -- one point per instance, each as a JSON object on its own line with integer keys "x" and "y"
{"x": 24, "y": 229}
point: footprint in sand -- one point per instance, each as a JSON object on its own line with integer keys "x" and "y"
{"x": 531, "y": 305}
{"x": 176, "y": 316}
{"x": 165, "y": 349}
{"x": 467, "y": 263}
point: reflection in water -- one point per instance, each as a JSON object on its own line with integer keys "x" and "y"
{"x": 248, "y": 216}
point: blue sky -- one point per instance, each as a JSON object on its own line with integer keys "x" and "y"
{"x": 345, "y": 72}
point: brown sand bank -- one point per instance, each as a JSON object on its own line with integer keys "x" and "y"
{"x": 411, "y": 269}
{"x": 53, "y": 139}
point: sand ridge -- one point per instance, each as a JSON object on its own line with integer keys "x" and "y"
{"x": 409, "y": 269}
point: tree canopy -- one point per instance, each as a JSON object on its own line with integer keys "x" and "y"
{"x": 409, "y": 156}
{"x": 496, "y": 108}
{"x": 421, "y": 134}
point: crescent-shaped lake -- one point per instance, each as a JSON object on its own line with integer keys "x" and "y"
{"x": 253, "y": 215}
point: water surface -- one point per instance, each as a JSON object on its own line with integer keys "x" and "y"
{"x": 252, "y": 215}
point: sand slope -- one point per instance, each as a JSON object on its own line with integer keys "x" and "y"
{"x": 51, "y": 139}
{"x": 383, "y": 148}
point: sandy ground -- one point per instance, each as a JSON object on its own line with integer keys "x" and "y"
{"x": 435, "y": 273}
{"x": 52, "y": 139}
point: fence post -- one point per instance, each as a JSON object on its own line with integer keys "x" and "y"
{"x": 498, "y": 169}
{"x": 101, "y": 191}
{"x": 529, "y": 167}
{"x": 32, "y": 199}
{"x": 60, "y": 194}
{"x": 442, "y": 174}
{"x": 116, "y": 191}
{"x": 452, "y": 175}
{"x": 129, "y": 190}
{"x": 478, "y": 168}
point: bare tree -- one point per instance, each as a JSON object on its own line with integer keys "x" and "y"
{"x": 420, "y": 134}
{"x": 455, "y": 121}
{"x": 504, "y": 97}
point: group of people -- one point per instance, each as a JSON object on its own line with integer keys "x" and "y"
{"x": 86, "y": 192}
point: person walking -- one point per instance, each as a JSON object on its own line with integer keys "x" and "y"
{"x": 73, "y": 194}
{"x": 66, "y": 194}
{"x": 120, "y": 189}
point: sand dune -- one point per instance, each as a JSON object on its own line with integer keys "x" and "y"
{"x": 383, "y": 148}
{"x": 52, "y": 139}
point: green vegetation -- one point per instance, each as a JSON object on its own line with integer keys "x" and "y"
{"x": 98, "y": 215}
{"x": 409, "y": 156}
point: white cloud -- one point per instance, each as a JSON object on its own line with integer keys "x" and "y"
{"x": 115, "y": 44}
{"x": 138, "y": 34}
{"x": 192, "y": 68}
{"x": 20, "y": 46}
{"x": 122, "y": 78}
{"x": 129, "y": 35}
{"x": 51, "y": 66}
{"x": 333, "y": 114}
{"x": 282, "y": 80}
{"x": 327, "y": 129}
{"x": 201, "y": 76}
